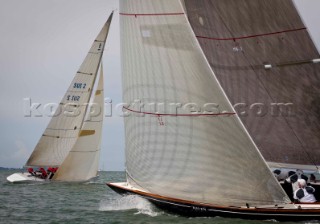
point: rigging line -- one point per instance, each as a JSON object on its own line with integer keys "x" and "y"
{"x": 180, "y": 115}
{"x": 151, "y": 14}
{"x": 269, "y": 94}
{"x": 252, "y": 36}
{"x": 128, "y": 174}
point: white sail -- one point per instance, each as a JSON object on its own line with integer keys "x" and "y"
{"x": 82, "y": 162}
{"x": 63, "y": 129}
{"x": 209, "y": 158}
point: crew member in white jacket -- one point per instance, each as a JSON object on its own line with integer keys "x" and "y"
{"x": 305, "y": 193}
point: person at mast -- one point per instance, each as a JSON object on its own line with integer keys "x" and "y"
{"x": 304, "y": 194}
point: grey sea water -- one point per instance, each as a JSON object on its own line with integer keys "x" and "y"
{"x": 90, "y": 202}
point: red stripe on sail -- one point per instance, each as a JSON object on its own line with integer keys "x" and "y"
{"x": 252, "y": 36}
{"x": 179, "y": 115}
{"x": 152, "y": 14}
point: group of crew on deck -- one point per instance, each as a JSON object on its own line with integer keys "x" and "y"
{"x": 42, "y": 173}
{"x": 301, "y": 185}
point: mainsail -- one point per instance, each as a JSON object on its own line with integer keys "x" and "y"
{"x": 63, "y": 129}
{"x": 82, "y": 162}
{"x": 207, "y": 157}
{"x": 266, "y": 62}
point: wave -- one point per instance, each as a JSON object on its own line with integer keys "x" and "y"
{"x": 129, "y": 202}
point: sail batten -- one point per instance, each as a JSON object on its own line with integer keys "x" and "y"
{"x": 195, "y": 158}
{"x": 56, "y": 142}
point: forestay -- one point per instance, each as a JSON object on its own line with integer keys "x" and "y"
{"x": 265, "y": 60}
{"x": 170, "y": 150}
{"x": 82, "y": 162}
{"x": 63, "y": 129}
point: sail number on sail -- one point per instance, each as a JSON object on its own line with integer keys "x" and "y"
{"x": 76, "y": 86}
{"x": 73, "y": 98}
{"x": 79, "y": 85}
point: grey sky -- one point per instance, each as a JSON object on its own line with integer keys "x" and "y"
{"x": 41, "y": 47}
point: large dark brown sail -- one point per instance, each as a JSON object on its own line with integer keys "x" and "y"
{"x": 265, "y": 60}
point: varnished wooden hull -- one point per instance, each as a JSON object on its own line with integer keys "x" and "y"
{"x": 193, "y": 209}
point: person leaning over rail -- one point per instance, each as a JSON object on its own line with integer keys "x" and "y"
{"x": 305, "y": 193}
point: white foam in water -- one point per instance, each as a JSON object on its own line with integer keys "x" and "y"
{"x": 129, "y": 202}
